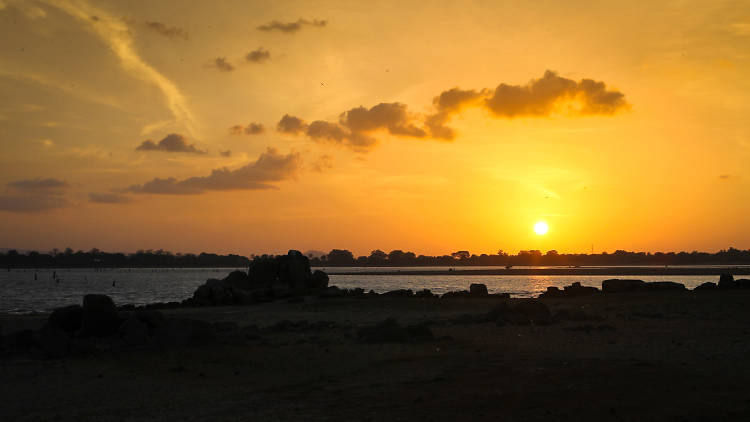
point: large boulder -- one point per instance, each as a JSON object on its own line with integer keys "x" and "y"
{"x": 706, "y": 286}
{"x": 664, "y": 285}
{"x": 99, "y": 316}
{"x": 318, "y": 280}
{"x": 67, "y": 319}
{"x": 726, "y": 281}
{"x": 620, "y": 286}
{"x": 238, "y": 280}
{"x": 478, "y": 290}
{"x": 294, "y": 270}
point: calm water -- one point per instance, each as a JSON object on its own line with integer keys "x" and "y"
{"x": 20, "y": 292}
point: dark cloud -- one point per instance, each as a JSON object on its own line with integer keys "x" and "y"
{"x": 223, "y": 65}
{"x": 270, "y": 167}
{"x": 728, "y": 177}
{"x": 258, "y": 56}
{"x": 355, "y": 126}
{"x": 172, "y": 32}
{"x": 291, "y": 27}
{"x": 448, "y": 103}
{"x": 251, "y": 129}
{"x": 543, "y": 97}
{"x": 32, "y": 203}
{"x": 291, "y": 124}
{"x": 108, "y": 198}
{"x": 551, "y": 93}
{"x": 49, "y": 184}
{"x": 171, "y": 143}
{"x": 227, "y": 153}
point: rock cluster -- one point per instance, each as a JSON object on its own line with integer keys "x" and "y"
{"x": 622, "y": 286}
{"x": 268, "y": 278}
{"x": 80, "y": 329}
{"x": 574, "y": 290}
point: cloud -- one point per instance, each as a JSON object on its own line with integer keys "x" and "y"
{"x": 552, "y": 93}
{"x": 355, "y": 126}
{"x": 49, "y": 184}
{"x": 171, "y": 143}
{"x": 223, "y": 65}
{"x": 544, "y": 97}
{"x": 108, "y": 198}
{"x": 171, "y": 32}
{"x": 291, "y": 124}
{"x": 227, "y": 153}
{"x": 251, "y": 129}
{"x": 291, "y": 27}
{"x": 270, "y": 167}
{"x": 447, "y": 104}
{"x": 34, "y": 195}
{"x": 728, "y": 177}
{"x": 258, "y": 56}
{"x": 116, "y": 34}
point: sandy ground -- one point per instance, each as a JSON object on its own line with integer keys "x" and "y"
{"x": 668, "y": 356}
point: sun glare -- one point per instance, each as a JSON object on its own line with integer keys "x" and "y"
{"x": 541, "y": 228}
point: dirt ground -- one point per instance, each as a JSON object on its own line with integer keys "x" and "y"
{"x": 662, "y": 356}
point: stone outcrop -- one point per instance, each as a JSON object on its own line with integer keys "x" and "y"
{"x": 268, "y": 278}
{"x": 574, "y": 290}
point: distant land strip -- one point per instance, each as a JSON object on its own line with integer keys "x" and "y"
{"x": 608, "y": 271}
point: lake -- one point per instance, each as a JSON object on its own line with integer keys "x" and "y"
{"x": 26, "y": 290}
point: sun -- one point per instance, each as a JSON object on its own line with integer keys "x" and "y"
{"x": 541, "y": 228}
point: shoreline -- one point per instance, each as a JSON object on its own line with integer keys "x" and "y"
{"x": 598, "y": 271}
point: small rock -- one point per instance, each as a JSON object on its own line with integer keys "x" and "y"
{"x": 478, "y": 290}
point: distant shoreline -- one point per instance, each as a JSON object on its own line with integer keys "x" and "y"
{"x": 600, "y": 271}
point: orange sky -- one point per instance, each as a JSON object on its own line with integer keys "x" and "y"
{"x": 422, "y": 126}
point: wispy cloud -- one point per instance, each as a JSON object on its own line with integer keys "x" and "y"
{"x": 270, "y": 167}
{"x": 258, "y": 56}
{"x": 223, "y": 65}
{"x": 172, "y": 32}
{"x": 291, "y": 27}
{"x": 115, "y": 33}
{"x": 108, "y": 198}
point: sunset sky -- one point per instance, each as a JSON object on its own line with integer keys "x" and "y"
{"x": 253, "y": 127}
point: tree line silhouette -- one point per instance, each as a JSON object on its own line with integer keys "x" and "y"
{"x": 377, "y": 258}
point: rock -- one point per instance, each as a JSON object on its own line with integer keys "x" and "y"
{"x": 332, "y": 292}
{"x": 294, "y": 270}
{"x": 576, "y": 290}
{"x": 390, "y": 331}
{"x": 244, "y": 297}
{"x": 707, "y": 286}
{"x": 399, "y": 293}
{"x": 500, "y": 295}
{"x": 318, "y": 280}
{"x": 726, "y": 281}
{"x": 264, "y": 271}
{"x": 53, "y": 341}
{"x": 455, "y": 294}
{"x": 663, "y": 285}
{"x": 203, "y": 295}
{"x": 424, "y": 293}
{"x": 552, "y": 292}
{"x": 620, "y": 286}
{"x": 99, "y": 316}
{"x": 743, "y": 283}
{"x": 67, "y": 319}
{"x": 478, "y": 290}
{"x": 134, "y": 332}
{"x": 237, "y": 280}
